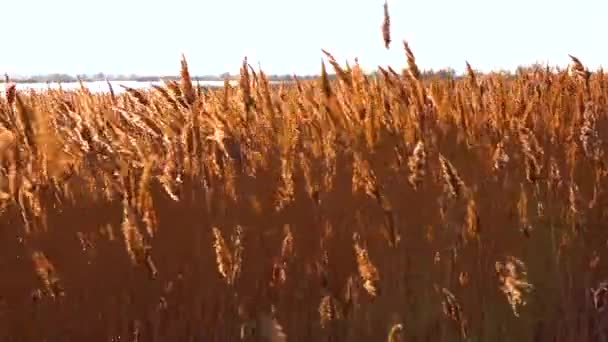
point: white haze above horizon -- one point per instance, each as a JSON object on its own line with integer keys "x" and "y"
{"x": 286, "y": 37}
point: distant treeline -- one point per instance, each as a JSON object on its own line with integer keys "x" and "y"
{"x": 65, "y": 78}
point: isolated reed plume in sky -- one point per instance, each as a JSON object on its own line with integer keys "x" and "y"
{"x": 386, "y": 26}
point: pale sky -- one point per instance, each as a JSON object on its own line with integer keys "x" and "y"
{"x": 286, "y": 36}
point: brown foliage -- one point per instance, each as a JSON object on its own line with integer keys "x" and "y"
{"x": 359, "y": 209}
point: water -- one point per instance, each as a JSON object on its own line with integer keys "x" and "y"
{"x": 102, "y": 86}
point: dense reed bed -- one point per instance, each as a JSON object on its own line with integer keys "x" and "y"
{"x": 357, "y": 209}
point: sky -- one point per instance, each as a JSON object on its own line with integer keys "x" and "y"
{"x": 286, "y": 36}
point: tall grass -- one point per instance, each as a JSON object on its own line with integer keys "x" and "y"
{"x": 388, "y": 208}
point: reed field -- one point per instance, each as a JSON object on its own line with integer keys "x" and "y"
{"x": 360, "y": 208}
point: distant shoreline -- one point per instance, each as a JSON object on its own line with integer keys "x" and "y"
{"x": 70, "y": 79}
{"x": 116, "y": 86}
